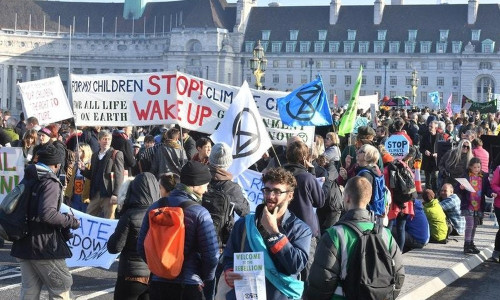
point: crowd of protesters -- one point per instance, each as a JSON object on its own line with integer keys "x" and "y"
{"x": 100, "y": 163}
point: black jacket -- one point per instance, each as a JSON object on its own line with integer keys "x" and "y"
{"x": 124, "y": 145}
{"x": 45, "y": 240}
{"x": 190, "y": 147}
{"x": 112, "y": 186}
{"x": 143, "y": 191}
{"x": 232, "y": 189}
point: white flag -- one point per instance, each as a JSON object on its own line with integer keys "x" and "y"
{"x": 243, "y": 130}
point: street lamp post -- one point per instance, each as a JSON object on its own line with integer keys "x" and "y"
{"x": 311, "y": 63}
{"x": 258, "y": 64}
{"x": 207, "y": 72}
{"x": 385, "y": 76}
{"x": 414, "y": 85}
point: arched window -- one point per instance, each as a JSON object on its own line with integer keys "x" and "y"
{"x": 485, "y": 86}
{"x": 194, "y": 46}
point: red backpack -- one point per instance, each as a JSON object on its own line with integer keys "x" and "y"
{"x": 164, "y": 242}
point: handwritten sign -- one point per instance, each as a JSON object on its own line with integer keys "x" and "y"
{"x": 89, "y": 242}
{"x": 46, "y": 100}
{"x": 398, "y": 146}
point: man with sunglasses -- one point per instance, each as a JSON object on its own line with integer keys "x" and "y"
{"x": 273, "y": 229}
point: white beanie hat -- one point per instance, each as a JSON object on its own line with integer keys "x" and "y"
{"x": 221, "y": 156}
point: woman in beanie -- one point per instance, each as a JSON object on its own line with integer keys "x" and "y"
{"x": 44, "y": 136}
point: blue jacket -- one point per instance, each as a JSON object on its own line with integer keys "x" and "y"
{"x": 418, "y": 226}
{"x": 200, "y": 245}
{"x": 290, "y": 258}
{"x": 307, "y": 194}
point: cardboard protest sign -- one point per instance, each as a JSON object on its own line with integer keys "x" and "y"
{"x": 46, "y": 100}
{"x": 170, "y": 98}
{"x": 89, "y": 242}
{"x": 11, "y": 169}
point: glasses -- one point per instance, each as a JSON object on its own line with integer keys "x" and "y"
{"x": 361, "y": 152}
{"x": 274, "y": 192}
{"x": 465, "y": 147}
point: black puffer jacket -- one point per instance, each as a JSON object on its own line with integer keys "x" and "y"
{"x": 221, "y": 177}
{"x": 142, "y": 192}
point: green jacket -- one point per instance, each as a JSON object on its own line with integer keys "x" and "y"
{"x": 325, "y": 271}
{"x": 437, "y": 220}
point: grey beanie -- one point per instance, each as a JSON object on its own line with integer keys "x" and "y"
{"x": 221, "y": 156}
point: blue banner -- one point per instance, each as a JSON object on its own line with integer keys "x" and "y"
{"x": 306, "y": 106}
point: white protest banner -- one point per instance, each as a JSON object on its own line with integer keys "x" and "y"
{"x": 364, "y": 102}
{"x": 170, "y": 98}
{"x": 243, "y": 130}
{"x": 398, "y": 146}
{"x": 89, "y": 243}
{"x": 11, "y": 169}
{"x": 251, "y": 184}
{"x": 46, "y": 100}
{"x": 466, "y": 184}
{"x": 250, "y": 265}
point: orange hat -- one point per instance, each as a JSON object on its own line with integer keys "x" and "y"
{"x": 387, "y": 158}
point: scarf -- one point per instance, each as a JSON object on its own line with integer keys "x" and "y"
{"x": 287, "y": 285}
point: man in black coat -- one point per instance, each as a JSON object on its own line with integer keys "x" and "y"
{"x": 122, "y": 143}
{"x": 42, "y": 253}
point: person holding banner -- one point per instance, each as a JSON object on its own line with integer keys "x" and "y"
{"x": 273, "y": 229}
{"x": 42, "y": 253}
{"x": 133, "y": 272}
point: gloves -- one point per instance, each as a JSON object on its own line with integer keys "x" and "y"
{"x": 75, "y": 223}
{"x": 66, "y": 233}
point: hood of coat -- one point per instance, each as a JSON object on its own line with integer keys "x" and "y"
{"x": 220, "y": 174}
{"x": 142, "y": 191}
{"x": 36, "y": 171}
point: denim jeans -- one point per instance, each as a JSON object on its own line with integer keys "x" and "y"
{"x": 400, "y": 235}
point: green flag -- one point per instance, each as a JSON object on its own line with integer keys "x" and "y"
{"x": 349, "y": 117}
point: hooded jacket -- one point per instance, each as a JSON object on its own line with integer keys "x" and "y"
{"x": 168, "y": 157}
{"x": 232, "y": 189}
{"x": 141, "y": 193}
{"x": 437, "y": 220}
{"x": 307, "y": 194}
{"x": 44, "y": 240}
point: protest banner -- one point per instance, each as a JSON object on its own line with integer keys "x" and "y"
{"x": 89, "y": 242}
{"x": 11, "y": 169}
{"x": 46, "y": 100}
{"x": 398, "y": 146}
{"x": 170, "y": 98}
{"x": 250, "y": 265}
{"x": 251, "y": 184}
{"x": 364, "y": 102}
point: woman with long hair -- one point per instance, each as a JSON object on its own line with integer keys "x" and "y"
{"x": 28, "y": 143}
{"x": 454, "y": 163}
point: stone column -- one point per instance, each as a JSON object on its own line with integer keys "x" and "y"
{"x": 28, "y": 73}
{"x": 42, "y": 72}
{"x": 5, "y": 87}
{"x": 13, "y": 88}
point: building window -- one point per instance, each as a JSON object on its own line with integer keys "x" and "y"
{"x": 424, "y": 65}
{"x": 423, "y": 97}
{"x": 319, "y": 47}
{"x": 425, "y": 47}
{"x": 249, "y": 46}
{"x": 293, "y": 35}
{"x": 378, "y": 65}
{"x": 424, "y": 80}
{"x": 392, "y": 94}
{"x": 440, "y": 81}
{"x": 441, "y": 47}
{"x": 333, "y": 79}
{"x": 410, "y": 47}
{"x": 378, "y": 80}
{"x": 412, "y": 35}
{"x": 290, "y": 46}
{"x": 454, "y": 97}
{"x": 440, "y": 65}
{"x": 393, "y": 80}
{"x": 266, "y": 34}
{"x": 347, "y": 79}
{"x": 456, "y": 65}
{"x": 487, "y": 46}
{"x": 276, "y": 47}
{"x": 276, "y": 78}
{"x": 363, "y": 79}
{"x": 378, "y": 47}
{"x": 394, "y": 47}
{"x": 264, "y": 45}
{"x": 363, "y": 47}
{"x": 333, "y": 47}
{"x": 454, "y": 81}
{"x": 322, "y": 35}
{"x": 289, "y": 63}
{"x": 381, "y": 35}
{"x": 249, "y": 78}
{"x": 348, "y": 64}
{"x": 485, "y": 84}
{"x": 347, "y": 95}
{"x": 443, "y": 35}
{"x": 318, "y": 64}
{"x": 348, "y": 47}
{"x": 456, "y": 47}
{"x": 363, "y": 64}
{"x": 485, "y": 66}
{"x": 332, "y": 64}
{"x": 476, "y": 34}
{"x": 303, "y": 79}
{"x": 351, "y": 34}
{"x": 305, "y": 46}
{"x": 289, "y": 78}
{"x": 408, "y": 80}
{"x": 409, "y": 65}
{"x": 276, "y": 63}
{"x": 393, "y": 65}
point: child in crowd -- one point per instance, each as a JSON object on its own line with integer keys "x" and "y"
{"x": 473, "y": 203}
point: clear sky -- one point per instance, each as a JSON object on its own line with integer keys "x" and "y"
{"x": 316, "y": 2}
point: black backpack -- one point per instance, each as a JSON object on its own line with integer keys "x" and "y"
{"x": 218, "y": 204}
{"x": 402, "y": 183}
{"x": 14, "y": 211}
{"x": 371, "y": 270}
{"x": 333, "y": 195}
